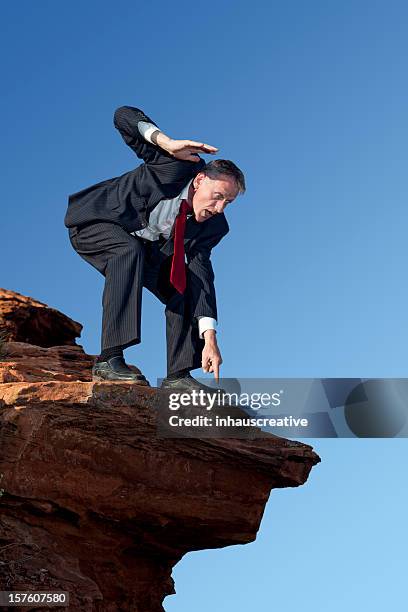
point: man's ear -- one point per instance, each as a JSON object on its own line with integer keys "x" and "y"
{"x": 198, "y": 179}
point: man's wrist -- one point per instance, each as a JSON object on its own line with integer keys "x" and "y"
{"x": 154, "y": 135}
{"x": 210, "y": 336}
{"x": 162, "y": 141}
{"x": 205, "y": 323}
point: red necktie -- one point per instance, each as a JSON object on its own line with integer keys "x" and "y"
{"x": 178, "y": 269}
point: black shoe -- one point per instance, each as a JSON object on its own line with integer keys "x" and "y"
{"x": 187, "y": 383}
{"x": 116, "y": 369}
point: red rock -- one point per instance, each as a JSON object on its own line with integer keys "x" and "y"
{"x": 96, "y": 503}
{"x": 27, "y": 320}
{"x": 26, "y": 362}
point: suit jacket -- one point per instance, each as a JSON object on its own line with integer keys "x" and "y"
{"x": 129, "y": 199}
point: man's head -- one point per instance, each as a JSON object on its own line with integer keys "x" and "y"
{"x": 214, "y": 187}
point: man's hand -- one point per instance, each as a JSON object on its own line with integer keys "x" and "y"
{"x": 187, "y": 150}
{"x": 211, "y": 357}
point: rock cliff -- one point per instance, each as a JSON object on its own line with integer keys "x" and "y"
{"x": 94, "y": 502}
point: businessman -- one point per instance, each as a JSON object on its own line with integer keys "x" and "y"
{"x": 155, "y": 227}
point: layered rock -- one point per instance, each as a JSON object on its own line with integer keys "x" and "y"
{"x": 23, "y": 362}
{"x": 27, "y": 320}
{"x": 96, "y": 503}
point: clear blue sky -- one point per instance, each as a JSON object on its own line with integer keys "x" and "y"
{"x": 310, "y": 100}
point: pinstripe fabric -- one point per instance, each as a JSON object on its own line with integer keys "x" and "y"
{"x": 128, "y": 264}
{"x": 128, "y": 199}
{"x": 184, "y": 346}
{"x": 100, "y": 218}
{"x": 119, "y": 257}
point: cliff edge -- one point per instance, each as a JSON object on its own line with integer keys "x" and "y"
{"x": 92, "y": 500}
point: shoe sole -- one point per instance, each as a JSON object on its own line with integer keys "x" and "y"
{"x": 142, "y": 382}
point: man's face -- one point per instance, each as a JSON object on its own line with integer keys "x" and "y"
{"x": 211, "y": 196}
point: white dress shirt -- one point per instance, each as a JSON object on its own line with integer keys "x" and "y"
{"x": 162, "y": 217}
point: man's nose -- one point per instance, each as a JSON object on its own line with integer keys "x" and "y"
{"x": 219, "y": 207}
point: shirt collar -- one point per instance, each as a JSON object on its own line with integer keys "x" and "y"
{"x": 184, "y": 193}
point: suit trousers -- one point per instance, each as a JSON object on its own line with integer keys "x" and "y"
{"x": 128, "y": 264}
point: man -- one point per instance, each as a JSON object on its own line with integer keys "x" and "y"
{"x": 155, "y": 226}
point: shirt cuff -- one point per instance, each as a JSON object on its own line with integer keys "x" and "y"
{"x": 205, "y": 323}
{"x": 146, "y": 129}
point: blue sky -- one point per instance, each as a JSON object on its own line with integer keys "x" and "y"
{"x": 310, "y": 100}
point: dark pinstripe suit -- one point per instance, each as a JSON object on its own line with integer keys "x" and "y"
{"x": 100, "y": 218}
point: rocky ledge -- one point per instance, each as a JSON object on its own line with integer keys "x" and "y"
{"x": 93, "y": 501}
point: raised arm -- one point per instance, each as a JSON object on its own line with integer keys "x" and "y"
{"x": 149, "y": 143}
{"x": 126, "y": 119}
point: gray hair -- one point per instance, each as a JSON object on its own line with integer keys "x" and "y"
{"x": 224, "y": 167}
